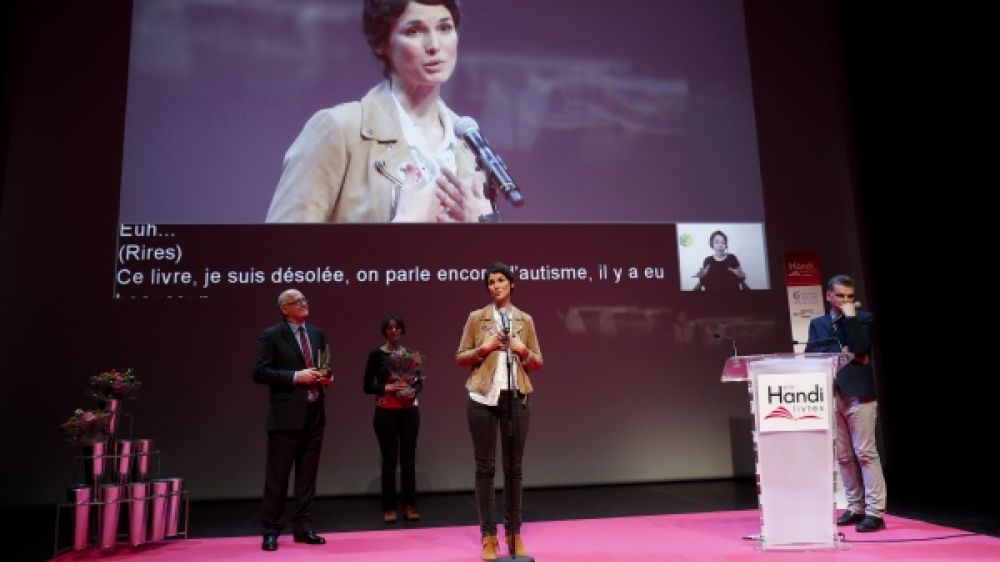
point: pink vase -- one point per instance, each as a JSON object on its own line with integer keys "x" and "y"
{"x": 114, "y": 407}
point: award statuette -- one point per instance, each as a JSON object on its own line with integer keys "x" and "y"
{"x": 323, "y": 363}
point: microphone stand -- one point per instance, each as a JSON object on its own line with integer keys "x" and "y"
{"x": 731, "y": 340}
{"x": 511, "y": 398}
{"x": 490, "y": 191}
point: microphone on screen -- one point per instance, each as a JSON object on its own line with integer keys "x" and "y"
{"x": 489, "y": 161}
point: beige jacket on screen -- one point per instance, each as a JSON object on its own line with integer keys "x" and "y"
{"x": 329, "y": 171}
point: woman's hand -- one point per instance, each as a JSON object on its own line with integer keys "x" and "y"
{"x": 701, "y": 273}
{"x": 417, "y": 202}
{"x": 738, "y": 271}
{"x": 518, "y": 347}
{"x": 395, "y": 386}
{"x": 458, "y": 200}
{"x": 492, "y": 342}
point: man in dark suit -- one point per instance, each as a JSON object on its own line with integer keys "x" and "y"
{"x": 286, "y": 363}
{"x": 849, "y": 330}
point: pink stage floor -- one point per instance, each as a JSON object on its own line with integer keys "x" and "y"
{"x": 678, "y": 538}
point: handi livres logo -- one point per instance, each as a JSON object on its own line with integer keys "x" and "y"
{"x": 782, "y": 412}
{"x": 793, "y": 401}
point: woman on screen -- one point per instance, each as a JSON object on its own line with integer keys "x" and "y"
{"x": 393, "y": 375}
{"x": 720, "y": 271}
{"x": 495, "y": 337}
{"x": 392, "y": 156}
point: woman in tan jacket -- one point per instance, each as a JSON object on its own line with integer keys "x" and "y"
{"x": 494, "y": 337}
{"x": 393, "y": 156}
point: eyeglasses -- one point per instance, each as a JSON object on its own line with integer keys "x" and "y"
{"x": 300, "y": 302}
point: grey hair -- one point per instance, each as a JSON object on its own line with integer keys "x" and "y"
{"x": 281, "y": 297}
{"x": 840, "y": 279}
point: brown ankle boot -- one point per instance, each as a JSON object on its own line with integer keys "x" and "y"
{"x": 490, "y": 547}
{"x": 410, "y": 513}
{"x": 514, "y": 545}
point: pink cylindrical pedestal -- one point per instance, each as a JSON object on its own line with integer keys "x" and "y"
{"x": 141, "y": 464}
{"x": 80, "y": 496}
{"x": 114, "y": 407}
{"x": 174, "y": 505}
{"x": 137, "y": 493}
{"x": 110, "y": 496}
{"x": 94, "y": 463}
{"x": 126, "y": 451}
{"x": 158, "y": 513}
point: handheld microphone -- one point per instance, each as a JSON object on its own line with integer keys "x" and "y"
{"x": 489, "y": 161}
{"x": 505, "y": 322}
{"x": 729, "y": 339}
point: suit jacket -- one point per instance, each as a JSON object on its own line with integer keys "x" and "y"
{"x": 278, "y": 357}
{"x": 329, "y": 172}
{"x": 478, "y": 327}
{"x": 856, "y": 378}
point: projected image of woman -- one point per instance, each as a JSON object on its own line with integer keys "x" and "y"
{"x": 392, "y": 374}
{"x": 720, "y": 271}
{"x": 392, "y": 156}
{"x": 492, "y": 335}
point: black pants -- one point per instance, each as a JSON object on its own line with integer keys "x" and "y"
{"x": 397, "y": 438}
{"x": 485, "y": 423}
{"x": 300, "y": 448}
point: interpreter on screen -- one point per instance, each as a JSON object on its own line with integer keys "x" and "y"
{"x": 720, "y": 271}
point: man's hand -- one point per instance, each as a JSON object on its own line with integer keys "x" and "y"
{"x": 309, "y": 376}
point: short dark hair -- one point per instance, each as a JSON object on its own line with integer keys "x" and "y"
{"x": 501, "y": 268}
{"x": 390, "y": 318}
{"x": 378, "y": 17}
{"x": 840, "y": 279}
{"x": 711, "y": 239}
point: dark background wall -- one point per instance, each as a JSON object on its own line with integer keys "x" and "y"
{"x": 911, "y": 75}
{"x": 846, "y": 96}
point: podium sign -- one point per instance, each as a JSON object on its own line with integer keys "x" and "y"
{"x": 791, "y": 398}
{"x": 793, "y": 402}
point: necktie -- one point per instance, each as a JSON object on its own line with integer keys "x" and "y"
{"x": 306, "y": 350}
{"x": 312, "y": 393}
{"x": 838, "y": 330}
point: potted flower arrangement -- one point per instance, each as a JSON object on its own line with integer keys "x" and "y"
{"x": 114, "y": 385}
{"x": 86, "y": 426}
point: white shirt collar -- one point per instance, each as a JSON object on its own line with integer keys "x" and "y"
{"x": 430, "y": 159}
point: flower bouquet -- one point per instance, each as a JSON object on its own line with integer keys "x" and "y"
{"x": 86, "y": 425}
{"x": 114, "y": 385}
{"x": 404, "y": 365}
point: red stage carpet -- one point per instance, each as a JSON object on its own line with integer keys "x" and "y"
{"x": 697, "y": 537}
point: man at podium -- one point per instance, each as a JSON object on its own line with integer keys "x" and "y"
{"x": 848, "y": 329}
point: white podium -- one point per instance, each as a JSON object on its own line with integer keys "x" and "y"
{"x": 791, "y": 400}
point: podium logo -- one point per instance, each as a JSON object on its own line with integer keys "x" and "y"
{"x": 793, "y": 401}
{"x": 794, "y": 404}
{"x": 782, "y": 412}
{"x": 792, "y": 396}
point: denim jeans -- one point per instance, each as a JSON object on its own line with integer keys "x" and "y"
{"x": 485, "y": 423}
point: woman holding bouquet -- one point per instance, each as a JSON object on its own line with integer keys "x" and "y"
{"x": 494, "y": 336}
{"x": 393, "y": 376}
